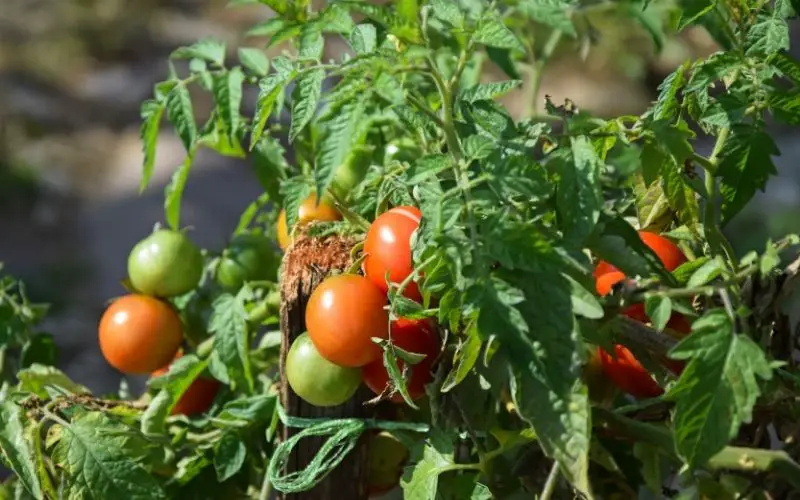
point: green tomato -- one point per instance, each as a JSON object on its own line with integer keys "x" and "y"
{"x": 404, "y": 149}
{"x": 249, "y": 257}
{"x": 350, "y": 173}
{"x": 315, "y": 379}
{"x": 165, "y": 264}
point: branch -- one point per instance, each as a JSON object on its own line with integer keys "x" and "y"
{"x": 640, "y": 335}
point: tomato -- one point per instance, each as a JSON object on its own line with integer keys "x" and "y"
{"x": 342, "y": 315}
{"x": 350, "y": 173}
{"x": 628, "y": 374}
{"x": 139, "y": 334}
{"x": 249, "y": 257}
{"x": 668, "y": 252}
{"x": 388, "y": 249}
{"x": 309, "y": 211}
{"x": 387, "y": 458}
{"x": 198, "y": 397}
{"x": 315, "y": 379}
{"x": 417, "y": 336}
{"x": 677, "y": 323}
{"x": 165, "y": 264}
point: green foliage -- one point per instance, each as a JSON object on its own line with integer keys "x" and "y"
{"x": 516, "y": 212}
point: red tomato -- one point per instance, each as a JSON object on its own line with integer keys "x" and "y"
{"x": 198, "y": 397}
{"x": 417, "y": 336}
{"x": 342, "y": 315}
{"x": 388, "y": 249}
{"x": 628, "y": 374}
{"x": 669, "y": 253}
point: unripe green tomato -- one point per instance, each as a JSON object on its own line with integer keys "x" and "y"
{"x": 350, "y": 173}
{"x": 315, "y": 379}
{"x": 403, "y": 149}
{"x": 165, "y": 264}
{"x": 387, "y": 457}
{"x": 249, "y": 257}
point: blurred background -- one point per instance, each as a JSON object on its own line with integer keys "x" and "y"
{"x": 73, "y": 74}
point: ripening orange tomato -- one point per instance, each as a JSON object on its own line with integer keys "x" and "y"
{"x": 628, "y": 374}
{"x": 388, "y": 249}
{"x": 308, "y": 212}
{"x": 139, "y": 334}
{"x": 342, "y": 315}
{"x": 668, "y": 252}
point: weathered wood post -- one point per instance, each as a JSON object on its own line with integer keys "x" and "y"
{"x": 307, "y": 262}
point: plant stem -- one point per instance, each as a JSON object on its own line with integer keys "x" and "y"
{"x": 550, "y": 484}
{"x": 266, "y": 487}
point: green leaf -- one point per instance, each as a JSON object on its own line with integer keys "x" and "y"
{"x": 711, "y": 269}
{"x": 659, "y": 310}
{"x": 682, "y": 199}
{"x": 412, "y": 119}
{"x": 336, "y": 19}
{"x": 745, "y": 166}
{"x": 312, "y": 42}
{"x": 718, "y": 388}
{"x": 448, "y": 11}
{"x": 692, "y": 10}
{"x": 652, "y": 206}
{"x": 173, "y": 193}
{"x": 492, "y": 32}
{"x": 478, "y": 147}
{"x": 488, "y": 91}
{"x": 685, "y": 271}
{"x": 579, "y": 198}
{"x": 172, "y": 386}
{"x": 228, "y": 323}
{"x": 230, "y": 453}
{"x": 305, "y": 98}
{"x": 502, "y": 58}
{"x": 295, "y": 191}
{"x": 768, "y": 36}
{"x": 270, "y": 166}
{"x": 270, "y": 89}
{"x": 421, "y": 481}
{"x": 584, "y": 302}
{"x": 467, "y": 353}
{"x": 253, "y": 410}
{"x": 180, "y": 114}
{"x": 102, "y": 459}
{"x": 787, "y": 65}
{"x": 338, "y": 136}
{"x": 268, "y": 28}
{"x": 38, "y": 349}
{"x": 38, "y": 378}
{"x": 207, "y": 49}
{"x": 398, "y": 382}
{"x": 554, "y": 13}
{"x": 151, "y": 113}
{"x": 255, "y": 60}
{"x": 666, "y": 106}
{"x": 786, "y": 107}
{"x": 228, "y": 95}
{"x": 363, "y": 39}
{"x": 21, "y": 448}
{"x": 427, "y": 167}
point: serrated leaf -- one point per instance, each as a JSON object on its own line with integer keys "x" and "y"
{"x": 338, "y": 136}
{"x": 305, "y": 98}
{"x": 667, "y": 105}
{"x": 684, "y": 272}
{"x": 478, "y": 147}
{"x": 659, "y": 310}
{"x": 718, "y": 388}
{"x": 787, "y": 65}
{"x": 691, "y": 10}
{"x": 682, "y": 199}
{"x": 103, "y": 460}
{"x": 270, "y": 165}
{"x": 706, "y": 272}
{"x": 723, "y": 112}
{"x": 255, "y": 60}
{"x": 21, "y": 448}
{"x": 488, "y": 91}
{"x": 228, "y": 95}
{"x": 785, "y": 107}
{"x": 426, "y": 167}
{"x": 745, "y": 166}
{"x": 208, "y": 49}
{"x": 363, "y": 39}
{"x": 768, "y": 36}
{"x": 180, "y": 114}
{"x": 151, "y": 113}
{"x": 579, "y": 198}
{"x": 336, "y": 19}
{"x": 399, "y": 383}
{"x": 295, "y": 191}
{"x": 448, "y": 11}
{"x": 37, "y": 378}
{"x": 421, "y": 481}
{"x": 553, "y": 13}
{"x": 228, "y": 323}
{"x": 270, "y": 89}
{"x": 502, "y": 58}
{"x": 467, "y": 353}
{"x": 652, "y": 206}
{"x": 171, "y": 386}
{"x": 312, "y": 42}
{"x": 230, "y": 453}
{"x": 412, "y": 119}
{"x": 173, "y": 192}
{"x": 584, "y": 302}
{"x": 268, "y": 28}
{"x": 493, "y": 32}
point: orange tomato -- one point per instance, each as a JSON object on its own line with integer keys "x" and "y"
{"x": 388, "y": 249}
{"x": 342, "y": 315}
{"x": 139, "y": 334}
{"x": 308, "y": 212}
{"x": 628, "y": 374}
{"x": 671, "y": 256}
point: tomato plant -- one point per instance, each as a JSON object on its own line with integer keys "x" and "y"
{"x": 506, "y": 216}
{"x": 139, "y": 334}
{"x": 387, "y": 248}
{"x": 317, "y": 380}
{"x": 197, "y": 398}
{"x": 414, "y": 336}
{"x": 343, "y": 314}
{"x": 165, "y": 264}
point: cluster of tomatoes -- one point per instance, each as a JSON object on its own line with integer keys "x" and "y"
{"x": 623, "y": 369}
{"x": 326, "y": 365}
